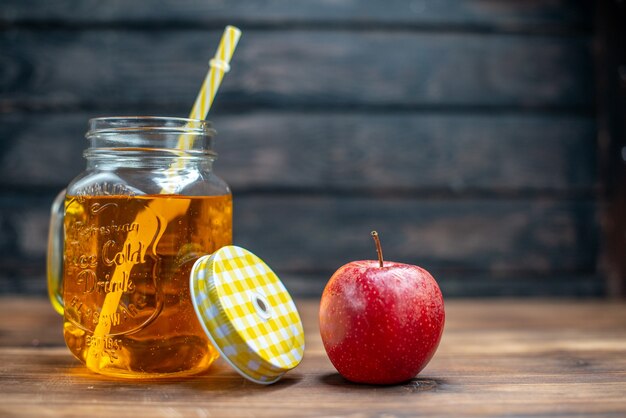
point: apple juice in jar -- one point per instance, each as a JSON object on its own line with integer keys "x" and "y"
{"x": 130, "y": 243}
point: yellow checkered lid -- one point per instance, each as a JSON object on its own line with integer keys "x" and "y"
{"x": 247, "y": 313}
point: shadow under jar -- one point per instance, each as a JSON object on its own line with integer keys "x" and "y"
{"x": 134, "y": 222}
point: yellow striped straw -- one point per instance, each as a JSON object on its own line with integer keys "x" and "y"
{"x": 219, "y": 65}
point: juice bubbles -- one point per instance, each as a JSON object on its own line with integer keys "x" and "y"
{"x": 127, "y": 260}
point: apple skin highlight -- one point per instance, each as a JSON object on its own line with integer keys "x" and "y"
{"x": 381, "y": 325}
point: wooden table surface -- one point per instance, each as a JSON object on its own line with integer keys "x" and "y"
{"x": 497, "y": 357}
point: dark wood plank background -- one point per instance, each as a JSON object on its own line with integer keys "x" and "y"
{"x": 464, "y": 131}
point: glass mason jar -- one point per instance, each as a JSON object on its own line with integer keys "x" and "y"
{"x": 129, "y": 229}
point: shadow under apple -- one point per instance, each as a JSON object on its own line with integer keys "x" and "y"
{"x": 416, "y": 384}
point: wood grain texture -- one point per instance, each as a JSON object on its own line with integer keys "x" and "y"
{"x": 463, "y": 129}
{"x": 319, "y": 233}
{"x": 499, "y": 14}
{"x": 26, "y": 277}
{"x": 318, "y": 151}
{"x": 611, "y": 80}
{"x": 496, "y": 358}
{"x": 453, "y": 284}
{"x": 493, "y": 235}
{"x": 305, "y": 68}
{"x": 474, "y": 247}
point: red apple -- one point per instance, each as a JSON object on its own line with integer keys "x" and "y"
{"x": 381, "y": 322}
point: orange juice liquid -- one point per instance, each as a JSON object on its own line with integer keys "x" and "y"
{"x": 127, "y": 260}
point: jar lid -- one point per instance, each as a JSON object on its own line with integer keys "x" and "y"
{"x": 247, "y": 314}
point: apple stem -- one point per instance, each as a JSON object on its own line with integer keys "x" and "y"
{"x": 379, "y": 249}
